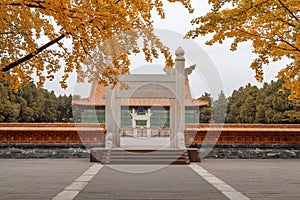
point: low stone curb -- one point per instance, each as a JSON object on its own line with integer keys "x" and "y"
{"x": 250, "y": 151}
{"x": 53, "y": 150}
{"x": 224, "y": 151}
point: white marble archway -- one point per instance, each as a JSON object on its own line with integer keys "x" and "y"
{"x": 169, "y": 85}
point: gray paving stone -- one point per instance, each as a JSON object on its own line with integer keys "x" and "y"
{"x": 259, "y": 179}
{"x": 38, "y": 178}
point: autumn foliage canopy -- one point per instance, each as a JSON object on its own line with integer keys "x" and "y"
{"x": 95, "y": 37}
{"x": 273, "y": 27}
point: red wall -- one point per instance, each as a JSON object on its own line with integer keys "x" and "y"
{"x": 51, "y": 133}
{"x": 95, "y": 133}
{"x": 243, "y": 134}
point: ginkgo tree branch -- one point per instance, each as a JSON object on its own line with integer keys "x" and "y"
{"x": 36, "y": 4}
{"x": 30, "y": 5}
{"x": 280, "y": 40}
{"x": 291, "y": 13}
{"x": 291, "y": 45}
{"x": 32, "y": 54}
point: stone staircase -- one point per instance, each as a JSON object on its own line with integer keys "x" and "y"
{"x": 142, "y": 156}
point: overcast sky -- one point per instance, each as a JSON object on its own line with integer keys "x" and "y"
{"x": 232, "y": 67}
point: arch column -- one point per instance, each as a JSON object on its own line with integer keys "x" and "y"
{"x": 113, "y": 116}
{"x": 177, "y": 106}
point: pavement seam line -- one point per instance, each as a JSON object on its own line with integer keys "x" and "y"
{"x": 223, "y": 187}
{"x": 72, "y": 190}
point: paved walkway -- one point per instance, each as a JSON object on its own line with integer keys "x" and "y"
{"x": 211, "y": 179}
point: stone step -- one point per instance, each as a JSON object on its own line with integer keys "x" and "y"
{"x": 150, "y": 161}
{"x": 149, "y": 155}
{"x": 171, "y": 156}
{"x": 145, "y": 156}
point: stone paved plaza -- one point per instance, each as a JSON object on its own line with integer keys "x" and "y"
{"x": 80, "y": 179}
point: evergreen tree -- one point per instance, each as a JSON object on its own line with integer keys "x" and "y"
{"x": 234, "y": 103}
{"x": 49, "y": 107}
{"x": 264, "y": 105}
{"x": 65, "y": 108}
{"x": 31, "y": 104}
{"x": 247, "y": 110}
{"x": 9, "y": 109}
{"x": 293, "y": 115}
{"x": 260, "y": 114}
{"x": 235, "y": 109}
{"x": 219, "y": 109}
{"x": 271, "y": 104}
{"x": 205, "y": 112}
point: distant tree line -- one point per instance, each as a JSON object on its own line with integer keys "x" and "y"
{"x": 31, "y": 104}
{"x": 251, "y": 104}
{"x": 248, "y": 104}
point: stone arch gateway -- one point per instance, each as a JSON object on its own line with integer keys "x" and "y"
{"x": 170, "y": 86}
